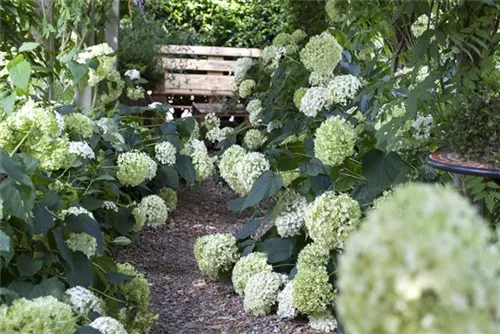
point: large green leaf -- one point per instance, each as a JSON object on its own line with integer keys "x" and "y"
{"x": 48, "y": 287}
{"x": 28, "y": 46}
{"x": 84, "y": 224}
{"x": 4, "y": 242}
{"x": 81, "y": 274}
{"x": 277, "y": 249}
{"x": 43, "y": 221}
{"x": 20, "y": 74}
{"x": 265, "y": 186}
{"x": 248, "y": 229}
{"x": 27, "y": 266}
{"x": 167, "y": 176}
{"x": 185, "y": 168}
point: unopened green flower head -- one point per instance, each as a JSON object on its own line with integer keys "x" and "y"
{"x": 79, "y": 125}
{"x": 254, "y": 139}
{"x": 82, "y": 242}
{"x": 321, "y": 54}
{"x": 135, "y": 93}
{"x": 254, "y": 108}
{"x": 312, "y": 291}
{"x": 246, "y": 267}
{"x": 215, "y": 253}
{"x": 169, "y": 195}
{"x": 261, "y": 292}
{"x": 271, "y": 56}
{"x": 331, "y": 218}
{"x": 334, "y": 141}
{"x": 424, "y": 257}
{"x": 313, "y": 255}
{"x": 298, "y": 95}
{"x": 246, "y": 88}
{"x": 134, "y": 168}
{"x": 289, "y": 41}
{"x": 40, "y": 315}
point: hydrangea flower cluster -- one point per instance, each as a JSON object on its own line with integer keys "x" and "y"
{"x": 424, "y": 257}
{"x": 254, "y": 108}
{"x": 114, "y": 87}
{"x": 246, "y": 267}
{"x": 288, "y": 176}
{"x": 79, "y": 125}
{"x": 313, "y": 101}
{"x": 94, "y": 51}
{"x": 215, "y": 253}
{"x": 217, "y": 134}
{"x": 274, "y": 124}
{"x": 137, "y": 317}
{"x": 321, "y": 54}
{"x": 331, "y": 218}
{"x": 211, "y": 121}
{"x": 108, "y": 325}
{"x": 343, "y": 88}
{"x": 246, "y": 88}
{"x": 254, "y": 139}
{"x": 313, "y": 255}
{"x": 133, "y": 74}
{"x": 151, "y": 211}
{"x": 76, "y": 211}
{"x": 290, "y": 220}
{"x": 324, "y": 322}
{"x": 312, "y": 291}
{"x": 40, "y": 315}
{"x": 81, "y": 149}
{"x": 381, "y": 199}
{"x": 169, "y": 196}
{"x": 241, "y": 68}
{"x": 271, "y": 56}
{"x": 135, "y": 93}
{"x": 298, "y": 95}
{"x": 334, "y": 141}
{"x": 422, "y": 127}
{"x": 82, "y": 242}
{"x": 108, "y": 205}
{"x": 289, "y": 42}
{"x": 105, "y": 69}
{"x": 228, "y": 162}
{"x": 135, "y": 167}
{"x": 318, "y": 79}
{"x": 202, "y": 162}
{"x": 165, "y": 153}
{"x": 286, "y": 309}
{"x": 261, "y": 292}
{"x": 82, "y": 300}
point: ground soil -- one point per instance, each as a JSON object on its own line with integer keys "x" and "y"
{"x": 185, "y": 301}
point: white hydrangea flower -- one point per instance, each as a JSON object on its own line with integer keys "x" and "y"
{"x": 151, "y": 211}
{"x": 314, "y": 100}
{"x": 313, "y": 255}
{"x": 108, "y": 325}
{"x": 60, "y": 122}
{"x": 135, "y": 167}
{"x": 219, "y": 135}
{"x": 165, "y": 153}
{"x": 216, "y": 252}
{"x": 254, "y": 108}
{"x": 246, "y": 267}
{"x": 271, "y": 56}
{"x": 211, "y": 121}
{"x": 109, "y": 205}
{"x": 424, "y": 256}
{"x": 249, "y": 169}
{"x": 318, "y": 79}
{"x": 331, "y": 218}
{"x": 274, "y": 124}
{"x": 291, "y": 219}
{"x": 321, "y": 54}
{"x": 202, "y": 162}
{"x": 135, "y": 93}
{"x": 246, "y": 88}
{"x": 81, "y": 149}
{"x": 343, "y": 88}
{"x": 94, "y": 51}
{"x": 324, "y": 322}
{"x": 422, "y": 127}
{"x": 254, "y": 139}
{"x": 133, "y": 74}
{"x": 82, "y": 242}
{"x": 334, "y": 141}
{"x": 261, "y": 292}
{"x": 312, "y": 291}
{"x": 285, "y": 302}
{"x": 76, "y": 211}
{"x": 83, "y": 300}
{"x": 241, "y": 68}
{"x": 228, "y": 162}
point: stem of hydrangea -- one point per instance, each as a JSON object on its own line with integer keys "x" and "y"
{"x": 22, "y": 140}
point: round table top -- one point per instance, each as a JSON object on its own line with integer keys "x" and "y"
{"x": 454, "y": 163}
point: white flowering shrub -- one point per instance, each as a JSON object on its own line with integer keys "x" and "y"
{"x": 83, "y": 301}
{"x": 81, "y": 149}
{"x": 215, "y": 253}
{"x": 165, "y": 153}
{"x": 331, "y": 218}
{"x": 246, "y": 267}
{"x": 313, "y": 101}
{"x": 343, "y": 88}
{"x": 424, "y": 257}
{"x": 152, "y": 211}
{"x": 261, "y": 292}
{"x": 134, "y": 168}
{"x": 334, "y": 141}
{"x": 202, "y": 162}
{"x": 321, "y": 54}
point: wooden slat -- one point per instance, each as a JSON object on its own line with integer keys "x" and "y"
{"x": 198, "y": 64}
{"x": 196, "y": 92}
{"x": 209, "y": 51}
{"x": 206, "y": 108}
{"x": 212, "y": 83}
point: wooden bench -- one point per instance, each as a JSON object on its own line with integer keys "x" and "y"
{"x": 201, "y": 71}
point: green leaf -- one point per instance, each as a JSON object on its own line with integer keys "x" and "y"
{"x": 48, "y": 287}
{"x": 185, "y": 168}
{"x": 104, "y": 177}
{"x": 265, "y": 186}
{"x": 20, "y": 75}
{"x": 4, "y": 242}
{"x": 43, "y": 221}
{"x": 122, "y": 241}
{"x": 383, "y": 171}
{"x": 118, "y": 278}
{"x": 277, "y": 249}
{"x": 186, "y": 126}
{"x": 77, "y": 70}
{"x": 167, "y": 176}
{"x": 28, "y": 266}
{"x": 81, "y": 273}
{"x": 320, "y": 183}
{"x": 84, "y": 224}
{"x": 312, "y": 167}
{"x": 28, "y": 46}
{"x": 8, "y": 103}
{"x": 18, "y": 200}
{"x": 248, "y": 229}
{"x": 87, "y": 330}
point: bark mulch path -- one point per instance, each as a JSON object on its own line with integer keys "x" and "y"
{"x": 183, "y": 299}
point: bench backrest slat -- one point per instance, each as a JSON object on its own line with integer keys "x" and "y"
{"x": 199, "y": 84}
{"x": 209, "y": 51}
{"x": 198, "y": 64}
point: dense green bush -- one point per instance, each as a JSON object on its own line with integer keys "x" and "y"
{"x": 238, "y": 23}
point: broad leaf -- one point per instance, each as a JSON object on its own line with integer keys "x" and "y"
{"x": 248, "y": 229}
{"x": 20, "y": 74}
{"x": 28, "y": 46}
{"x": 185, "y": 168}
{"x": 265, "y": 186}
{"x": 277, "y": 249}
{"x": 43, "y": 221}
{"x": 4, "y": 242}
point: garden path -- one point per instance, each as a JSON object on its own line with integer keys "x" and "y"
{"x": 185, "y": 301}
